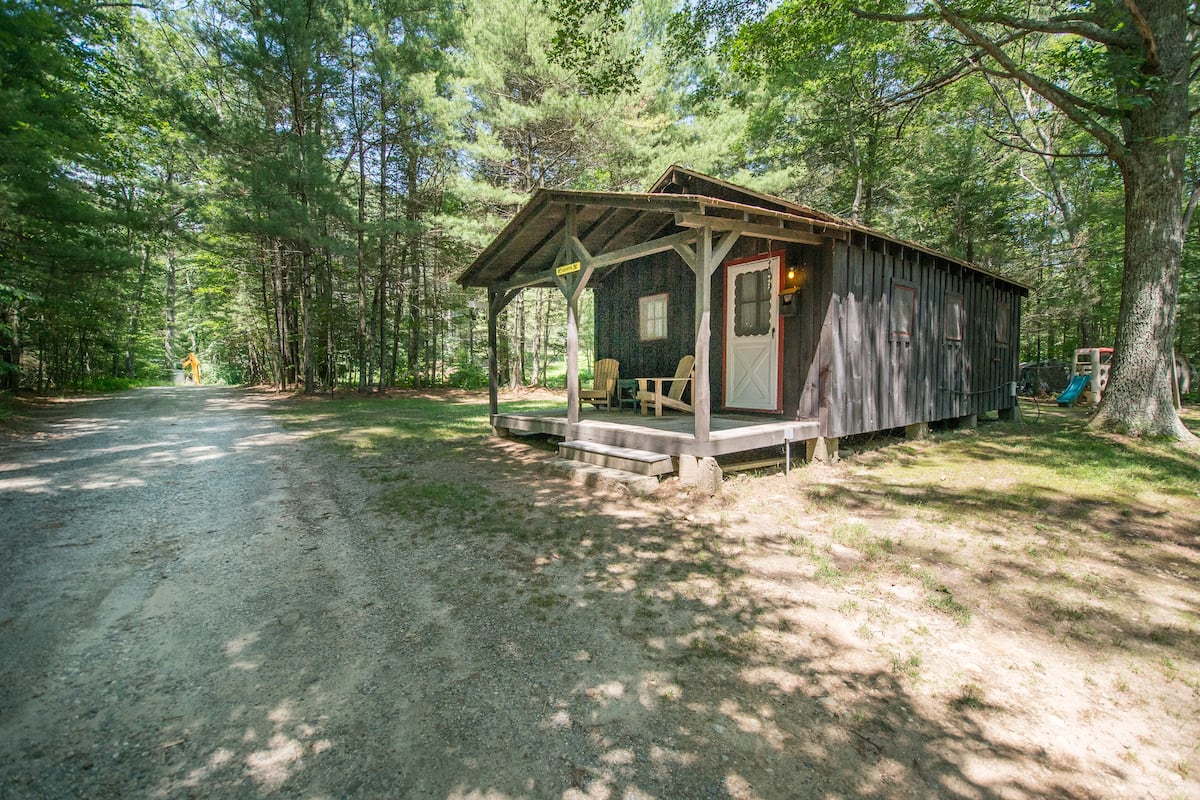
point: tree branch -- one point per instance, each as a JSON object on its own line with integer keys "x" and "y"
{"x": 1191, "y": 206}
{"x": 1143, "y": 28}
{"x": 1065, "y": 101}
{"x": 1075, "y": 25}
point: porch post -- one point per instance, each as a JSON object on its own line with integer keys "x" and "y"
{"x": 571, "y": 285}
{"x": 497, "y": 300}
{"x": 572, "y": 364}
{"x": 701, "y": 399}
{"x": 492, "y": 340}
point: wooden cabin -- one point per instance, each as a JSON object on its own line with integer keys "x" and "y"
{"x": 805, "y": 327}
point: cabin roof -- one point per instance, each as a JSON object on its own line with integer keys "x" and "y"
{"x": 527, "y": 248}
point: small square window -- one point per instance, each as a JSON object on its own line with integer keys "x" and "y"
{"x": 954, "y": 317}
{"x": 1001, "y": 322}
{"x": 904, "y": 306}
{"x": 652, "y": 317}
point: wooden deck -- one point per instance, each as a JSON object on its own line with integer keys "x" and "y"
{"x": 672, "y": 435}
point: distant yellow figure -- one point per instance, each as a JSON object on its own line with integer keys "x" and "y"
{"x": 193, "y": 363}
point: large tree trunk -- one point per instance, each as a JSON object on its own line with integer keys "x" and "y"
{"x": 1138, "y": 397}
{"x": 306, "y": 322}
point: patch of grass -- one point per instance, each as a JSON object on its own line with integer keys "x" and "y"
{"x": 969, "y": 696}
{"x": 939, "y": 597}
{"x": 801, "y": 547}
{"x": 417, "y": 498}
{"x": 858, "y": 535}
{"x": 8, "y": 407}
{"x": 909, "y": 668}
{"x": 373, "y": 425}
{"x": 827, "y": 573}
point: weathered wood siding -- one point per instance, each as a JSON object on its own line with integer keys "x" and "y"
{"x": 872, "y": 380}
{"x": 841, "y": 364}
{"x": 616, "y": 315}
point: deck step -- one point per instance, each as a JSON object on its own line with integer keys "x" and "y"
{"x": 641, "y": 462}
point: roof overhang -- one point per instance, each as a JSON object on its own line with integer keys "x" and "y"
{"x": 615, "y": 227}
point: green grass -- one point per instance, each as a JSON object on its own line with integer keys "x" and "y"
{"x": 371, "y": 425}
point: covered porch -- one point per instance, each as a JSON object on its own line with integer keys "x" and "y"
{"x": 571, "y": 240}
{"x": 672, "y": 435}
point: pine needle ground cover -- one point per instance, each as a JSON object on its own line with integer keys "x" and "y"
{"x": 1010, "y": 611}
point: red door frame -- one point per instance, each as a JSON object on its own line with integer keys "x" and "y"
{"x": 780, "y": 254}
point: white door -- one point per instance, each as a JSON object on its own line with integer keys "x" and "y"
{"x": 752, "y": 335}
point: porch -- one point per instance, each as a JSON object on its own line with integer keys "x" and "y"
{"x": 672, "y": 435}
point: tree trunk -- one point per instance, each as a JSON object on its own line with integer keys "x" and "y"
{"x": 306, "y": 321}
{"x": 516, "y": 345}
{"x": 364, "y": 350}
{"x": 12, "y": 378}
{"x": 1138, "y": 397}
{"x": 278, "y": 277}
{"x": 383, "y": 238}
{"x": 169, "y": 336}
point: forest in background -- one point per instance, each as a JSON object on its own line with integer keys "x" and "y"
{"x": 288, "y": 188}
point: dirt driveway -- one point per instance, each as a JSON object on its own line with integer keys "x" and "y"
{"x": 196, "y": 602}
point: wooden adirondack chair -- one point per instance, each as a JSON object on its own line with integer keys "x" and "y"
{"x": 650, "y": 390}
{"x": 604, "y": 384}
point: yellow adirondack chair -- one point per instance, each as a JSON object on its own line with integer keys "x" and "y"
{"x": 604, "y": 384}
{"x": 650, "y": 390}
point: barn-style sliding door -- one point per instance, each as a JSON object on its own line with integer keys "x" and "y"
{"x": 753, "y": 340}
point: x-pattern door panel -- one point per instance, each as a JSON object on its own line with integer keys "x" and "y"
{"x": 752, "y": 335}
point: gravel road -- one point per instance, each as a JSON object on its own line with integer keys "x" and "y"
{"x": 198, "y": 602}
{"x": 192, "y": 606}
{"x": 195, "y": 602}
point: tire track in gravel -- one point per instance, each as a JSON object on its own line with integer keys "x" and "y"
{"x": 198, "y": 603}
{"x": 177, "y": 616}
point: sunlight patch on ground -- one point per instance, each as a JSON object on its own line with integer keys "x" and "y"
{"x": 463, "y": 793}
{"x": 272, "y": 766}
{"x": 263, "y": 440}
{"x": 29, "y": 485}
{"x": 234, "y": 647}
{"x": 110, "y": 481}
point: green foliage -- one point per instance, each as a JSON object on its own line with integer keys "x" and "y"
{"x": 290, "y": 188}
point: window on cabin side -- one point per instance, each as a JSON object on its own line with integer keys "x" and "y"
{"x": 954, "y": 318}
{"x": 904, "y": 307}
{"x": 652, "y": 317}
{"x": 1001, "y": 322}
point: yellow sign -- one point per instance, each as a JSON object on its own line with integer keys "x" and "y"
{"x": 567, "y": 269}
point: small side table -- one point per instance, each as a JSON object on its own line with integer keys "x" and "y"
{"x": 627, "y": 393}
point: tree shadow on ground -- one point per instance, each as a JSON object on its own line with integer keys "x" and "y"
{"x": 654, "y": 663}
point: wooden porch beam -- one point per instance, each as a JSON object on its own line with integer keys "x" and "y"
{"x": 544, "y": 278}
{"x": 687, "y": 254}
{"x": 571, "y": 291}
{"x": 701, "y": 391}
{"x": 659, "y": 245}
{"x": 722, "y": 250}
{"x": 547, "y": 277}
{"x": 497, "y": 300}
{"x": 755, "y": 229}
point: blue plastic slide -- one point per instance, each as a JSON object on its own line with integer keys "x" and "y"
{"x": 1071, "y": 393}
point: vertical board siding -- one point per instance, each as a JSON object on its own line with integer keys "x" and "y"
{"x": 840, "y": 365}
{"x": 616, "y": 310}
{"x": 869, "y": 382}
